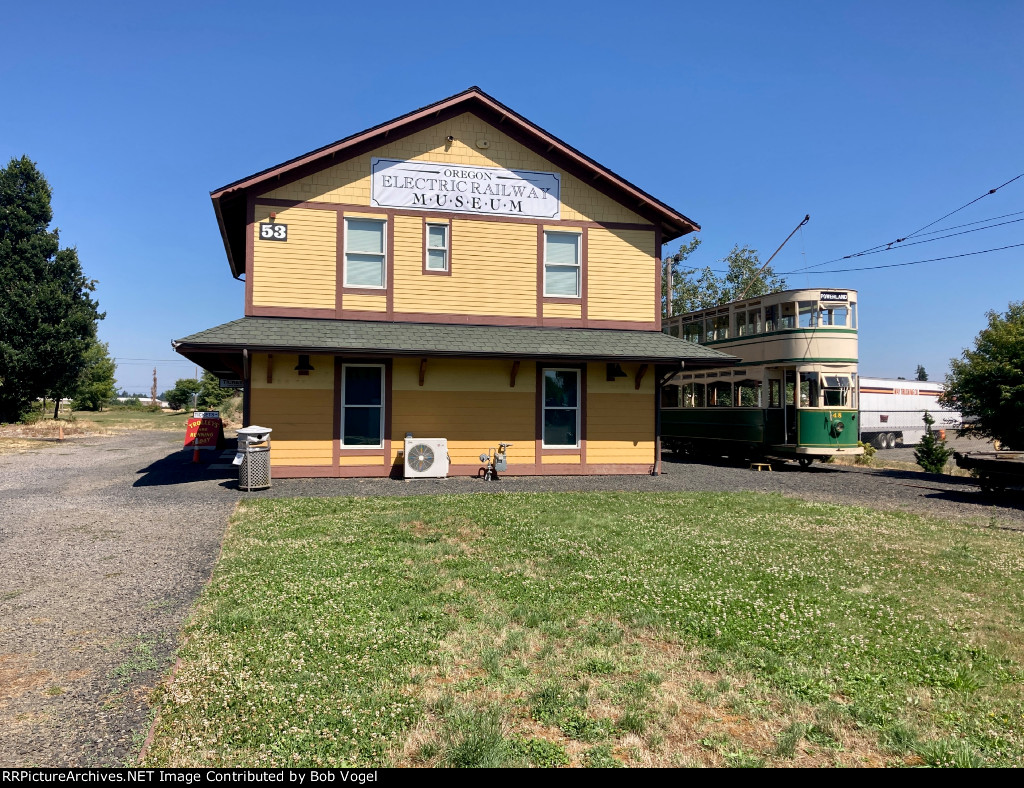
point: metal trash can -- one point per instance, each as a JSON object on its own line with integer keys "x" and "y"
{"x": 253, "y": 458}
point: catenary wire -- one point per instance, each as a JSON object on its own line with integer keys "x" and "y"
{"x": 900, "y": 265}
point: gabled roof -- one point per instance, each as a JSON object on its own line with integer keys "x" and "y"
{"x": 229, "y": 202}
{"x": 367, "y": 338}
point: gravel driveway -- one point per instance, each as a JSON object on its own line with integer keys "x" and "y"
{"x": 104, "y": 545}
{"x": 106, "y": 542}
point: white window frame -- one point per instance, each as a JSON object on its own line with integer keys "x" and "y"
{"x": 544, "y": 408}
{"x": 383, "y": 405}
{"x": 383, "y": 255}
{"x": 578, "y": 264}
{"x": 427, "y": 248}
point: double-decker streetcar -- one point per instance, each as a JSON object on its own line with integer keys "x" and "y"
{"x": 791, "y": 395}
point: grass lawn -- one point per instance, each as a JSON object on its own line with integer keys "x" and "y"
{"x": 600, "y": 629}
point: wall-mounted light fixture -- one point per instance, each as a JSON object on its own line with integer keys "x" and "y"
{"x": 303, "y": 367}
{"x": 613, "y": 371}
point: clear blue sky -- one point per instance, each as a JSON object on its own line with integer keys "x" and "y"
{"x": 874, "y": 117}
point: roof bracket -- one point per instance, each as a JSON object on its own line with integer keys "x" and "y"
{"x": 512, "y": 377}
{"x": 640, "y": 376}
{"x": 423, "y": 370}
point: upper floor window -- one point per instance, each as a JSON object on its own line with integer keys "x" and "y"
{"x": 437, "y": 247}
{"x": 562, "y": 265}
{"x": 365, "y": 260}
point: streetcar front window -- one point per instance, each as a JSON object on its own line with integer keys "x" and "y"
{"x": 834, "y": 316}
{"x": 771, "y": 318}
{"x": 741, "y": 323}
{"x": 837, "y": 390}
{"x": 809, "y": 389}
{"x": 691, "y": 332}
{"x": 853, "y": 315}
{"x": 754, "y": 321}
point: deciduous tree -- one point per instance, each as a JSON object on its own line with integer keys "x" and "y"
{"x": 700, "y": 288}
{"x": 987, "y": 383}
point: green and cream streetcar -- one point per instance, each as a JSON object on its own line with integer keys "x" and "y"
{"x": 793, "y": 392}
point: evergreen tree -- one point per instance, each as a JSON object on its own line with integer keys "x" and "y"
{"x": 47, "y": 315}
{"x": 932, "y": 453}
{"x": 921, "y": 374}
{"x": 96, "y": 384}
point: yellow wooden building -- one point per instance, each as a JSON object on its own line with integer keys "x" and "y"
{"x": 457, "y": 273}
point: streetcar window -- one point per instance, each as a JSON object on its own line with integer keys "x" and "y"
{"x": 853, "y": 315}
{"x": 771, "y": 318}
{"x": 718, "y": 327}
{"x": 837, "y": 391}
{"x": 720, "y": 394}
{"x": 693, "y": 395}
{"x": 834, "y": 316}
{"x": 670, "y": 396}
{"x": 754, "y": 321}
{"x": 809, "y": 389}
{"x": 741, "y": 323}
{"x": 748, "y": 394}
{"x": 775, "y": 393}
{"x": 709, "y": 329}
{"x": 788, "y": 317}
{"x": 808, "y": 314}
{"x": 691, "y": 332}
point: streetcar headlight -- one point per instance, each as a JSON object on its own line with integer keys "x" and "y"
{"x": 838, "y": 427}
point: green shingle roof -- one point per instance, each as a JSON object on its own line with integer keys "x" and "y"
{"x": 433, "y": 339}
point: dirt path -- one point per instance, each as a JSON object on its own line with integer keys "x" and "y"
{"x": 104, "y": 545}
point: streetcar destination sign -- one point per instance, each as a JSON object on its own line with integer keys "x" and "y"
{"x": 833, "y": 296}
{"x": 462, "y": 188}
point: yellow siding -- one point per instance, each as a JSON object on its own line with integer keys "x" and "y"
{"x": 620, "y": 423}
{"x": 467, "y": 402}
{"x": 563, "y": 310}
{"x": 621, "y": 275}
{"x": 349, "y": 181}
{"x": 366, "y": 303}
{"x": 493, "y": 264}
{"x": 562, "y": 459}
{"x": 285, "y": 376}
{"x": 302, "y": 420}
{"x": 301, "y": 271}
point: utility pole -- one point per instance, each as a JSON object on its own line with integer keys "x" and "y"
{"x": 152, "y": 400}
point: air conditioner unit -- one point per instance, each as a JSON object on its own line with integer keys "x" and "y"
{"x": 426, "y": 458}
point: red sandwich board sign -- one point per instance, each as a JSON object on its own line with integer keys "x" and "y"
{"x": 204, "y": 430}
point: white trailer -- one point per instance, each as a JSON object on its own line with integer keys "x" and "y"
{"x": 892, "y": 411}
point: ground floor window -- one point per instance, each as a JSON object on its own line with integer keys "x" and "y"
{"x": 362, "y": 405}
{"x": 561, "y": 407}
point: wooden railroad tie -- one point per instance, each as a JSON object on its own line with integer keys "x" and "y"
{"x": 760, "y": 466}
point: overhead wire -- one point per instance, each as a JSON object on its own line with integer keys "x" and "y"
{"x": 900, "y": 265}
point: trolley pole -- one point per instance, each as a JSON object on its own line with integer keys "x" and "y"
{"x": 807, "y": 218}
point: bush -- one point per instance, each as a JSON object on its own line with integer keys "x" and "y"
{"x": 932, "y": 453}
{"x": 868, "y": 456}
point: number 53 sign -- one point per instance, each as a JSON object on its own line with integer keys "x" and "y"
{"x": 269, "y": 231}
